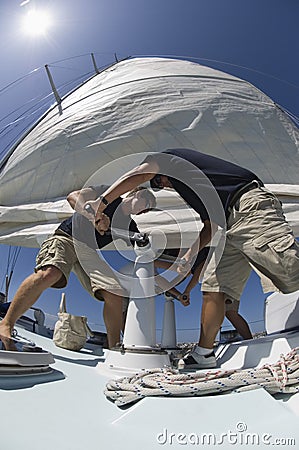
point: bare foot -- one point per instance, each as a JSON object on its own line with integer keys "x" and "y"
{"x": 5, "y": 330}
{"x": 8, "y": 344}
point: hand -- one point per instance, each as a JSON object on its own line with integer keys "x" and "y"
{"x": 102, "y": 224}
{"x": 89, "y": 210}
{"x": 92, "y": 205}
{"x": 98, "y": 207}
{"x": 93, "y": 208}
{"x": 184, "y": 298}
{"x": 183, "y": 267}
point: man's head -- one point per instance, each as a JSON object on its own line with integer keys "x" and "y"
{"x": 160, "y": 181}
{"x": 142, "y": 200}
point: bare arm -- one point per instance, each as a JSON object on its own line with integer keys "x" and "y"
{"x": 185, "y": 296}
{"x": 77, "y": 200}
{"x": 205, "y": 236}
{"x": 194, "y": 279}
{"x": 132, "y": 179}
{"x": 166, "y": 286}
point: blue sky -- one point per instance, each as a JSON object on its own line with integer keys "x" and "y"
{"x": 254, "y": 40}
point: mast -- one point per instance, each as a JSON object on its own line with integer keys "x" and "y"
{"x": 55, "y": 92}
{"x": 94, "y": 63}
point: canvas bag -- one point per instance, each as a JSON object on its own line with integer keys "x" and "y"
{"x": 70, "y": 332}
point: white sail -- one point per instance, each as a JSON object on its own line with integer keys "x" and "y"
{"x": 136, "y": 106}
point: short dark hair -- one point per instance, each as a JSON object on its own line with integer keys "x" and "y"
{"x": 156, "y": 182}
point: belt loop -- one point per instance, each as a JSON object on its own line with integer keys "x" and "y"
{"x": 243, "y": 190}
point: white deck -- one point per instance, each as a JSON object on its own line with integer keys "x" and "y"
{"x": 69, "y": 411}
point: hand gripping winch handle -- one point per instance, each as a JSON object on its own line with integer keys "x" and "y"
{"x": 88, "y": 208}
{"x": 182, "y": 262}
{"x": 168, "y": 294}
{"x": 141, "y": 239}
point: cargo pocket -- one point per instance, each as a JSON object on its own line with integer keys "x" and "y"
{"x": 278, "y": 244}
{"x": 275, "y": 254}
{"x": 278, "y": 259}
{"x": 46, "y": 250}
{"x": 283, "y": 243}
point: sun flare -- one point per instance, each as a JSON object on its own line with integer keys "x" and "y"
{"x": 36, "y": 22}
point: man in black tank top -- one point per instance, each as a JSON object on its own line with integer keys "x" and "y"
{"x": 73, "y": 247}
{"x": 255, "y": 232}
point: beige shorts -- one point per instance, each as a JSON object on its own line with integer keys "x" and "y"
{"x": 93, "y": 273}
{"x": 257, "y": 236}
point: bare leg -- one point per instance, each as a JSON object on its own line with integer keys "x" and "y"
{"x": 239, "y": 323}
{"x": 27, "y": 294}
{"x": 113, "y": 316}
{"x": 212, "y": 316}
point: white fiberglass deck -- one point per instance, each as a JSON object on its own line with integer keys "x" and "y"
{"x": 69, "y": 410}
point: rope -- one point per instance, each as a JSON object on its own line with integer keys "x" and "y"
{"x": 280, "y": 377}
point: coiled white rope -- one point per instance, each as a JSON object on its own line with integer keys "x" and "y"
{"x": 282, "y": 376}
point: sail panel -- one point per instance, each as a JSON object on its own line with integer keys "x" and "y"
{"x": 146, "y": 105}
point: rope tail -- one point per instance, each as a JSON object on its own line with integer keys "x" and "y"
{"x": 280, "y": 377}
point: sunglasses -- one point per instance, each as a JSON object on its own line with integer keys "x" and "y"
{"x": 156, "y": 182}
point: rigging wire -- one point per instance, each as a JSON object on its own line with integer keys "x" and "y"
{"x": 19, "y": 80}
{"x": 80, "y": 78}
{"x": 42, "y": 105}
{"x": 259, "y": 72}
{"x": 53, "y": 64}
{"x": 12, "y": 257}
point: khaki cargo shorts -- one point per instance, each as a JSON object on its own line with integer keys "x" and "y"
{"x": 93, "y": 273}
{"x": 257, "y": 236}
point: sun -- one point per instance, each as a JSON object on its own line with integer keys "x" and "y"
{"x": 36, "y": 22}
